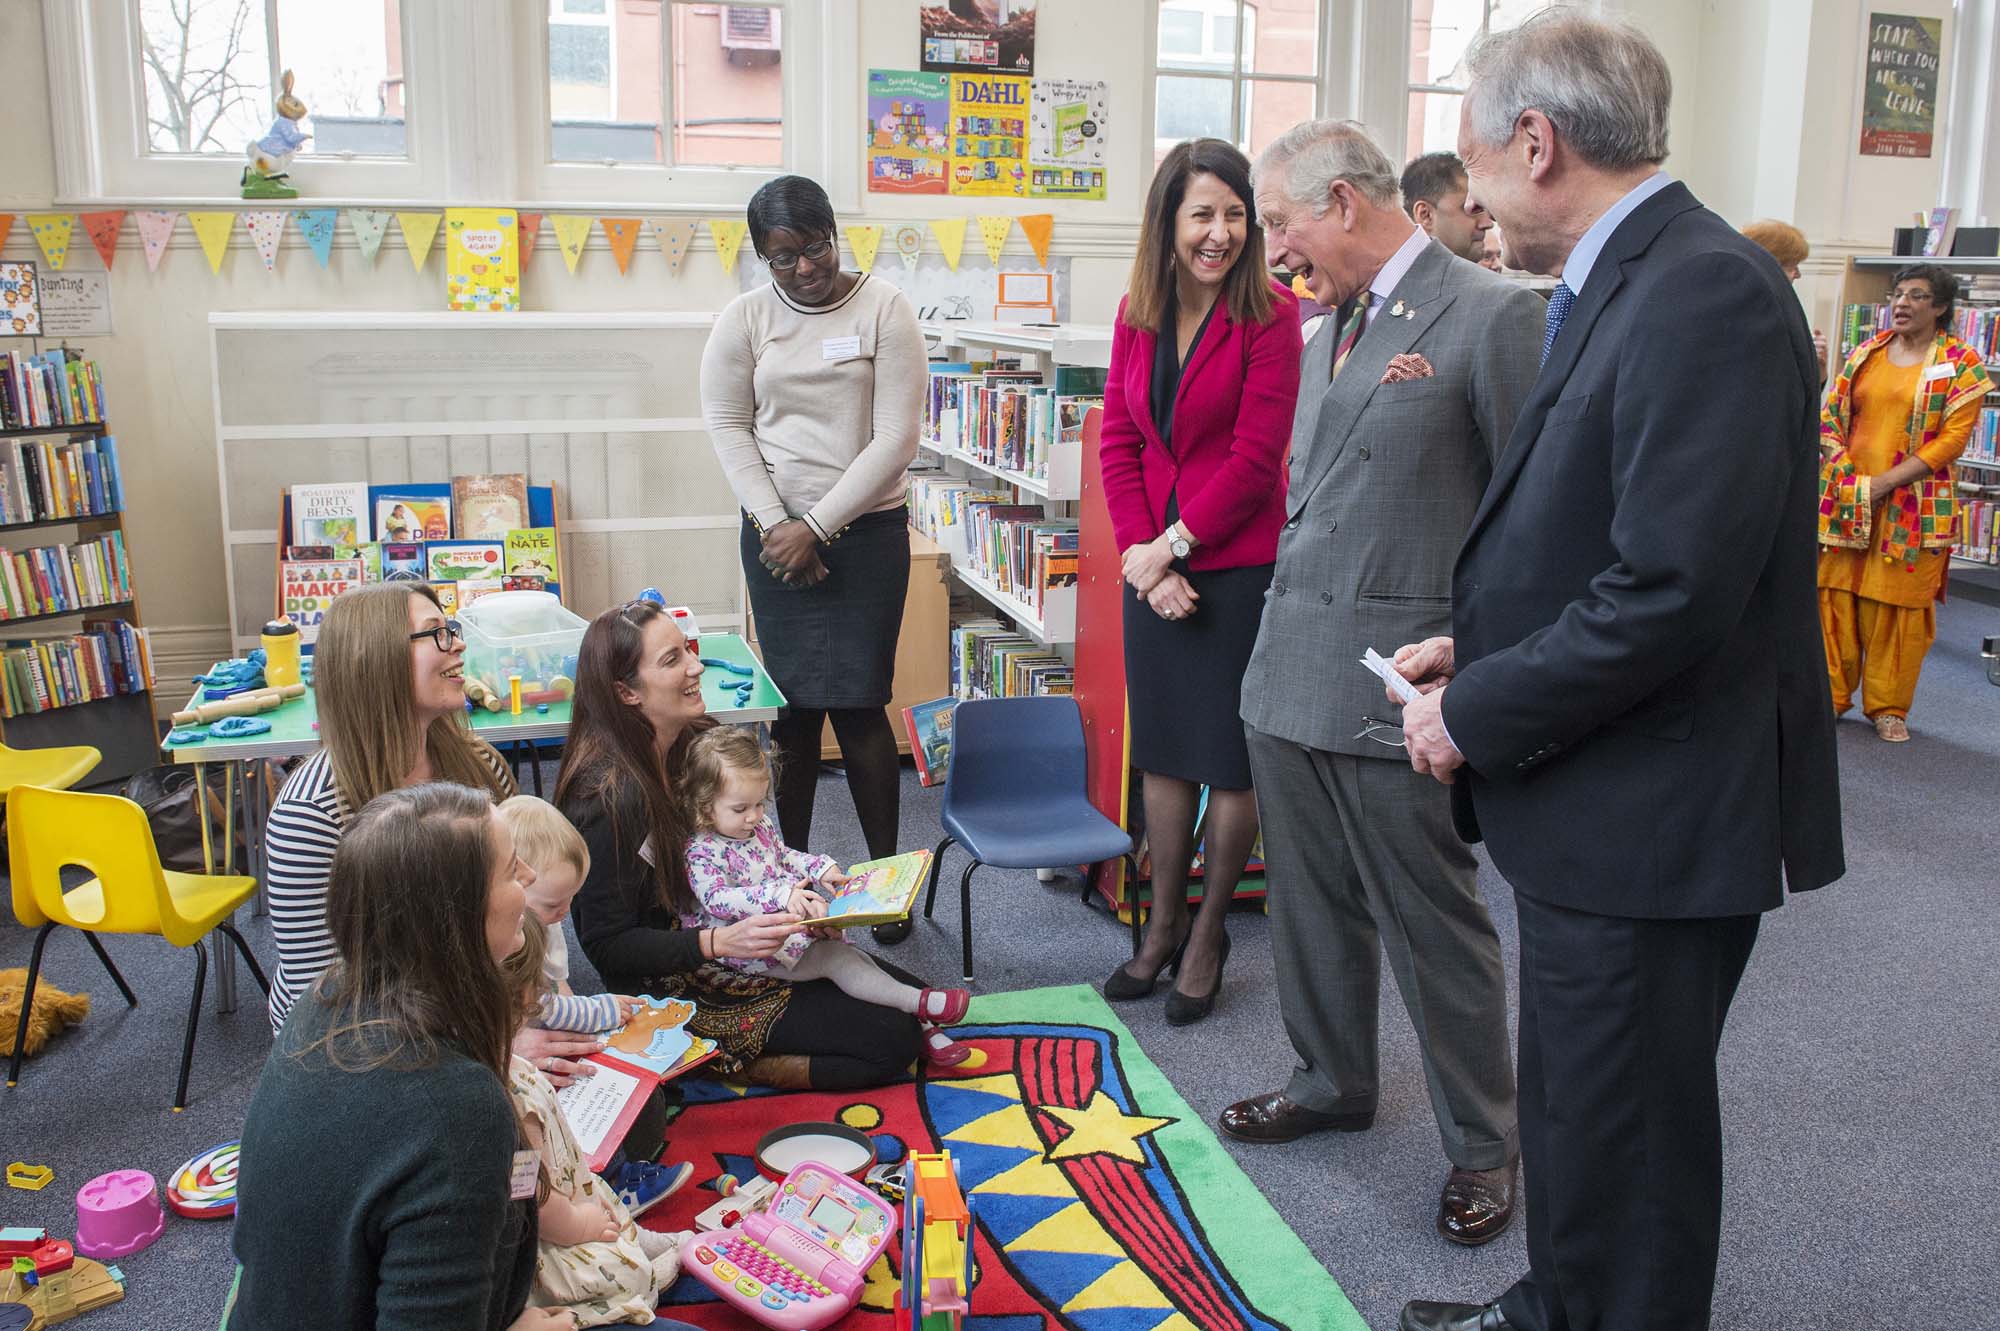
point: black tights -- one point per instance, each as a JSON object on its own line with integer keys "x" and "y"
{"x": 1228, "y": 833}
{"x": 867, "y": 751}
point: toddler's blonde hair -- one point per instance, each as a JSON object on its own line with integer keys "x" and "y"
{"x": 542, "y": 836}
{"x": 710, "y": 758}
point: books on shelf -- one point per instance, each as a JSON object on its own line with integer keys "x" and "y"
{"x": 49, "y": 478}
{"x": 330, "y": 515}
{"x": 1979, "y": 536}
{"x": 306, "y": 587}
{"x": 56, "y": 387}
{"x": 1976, "y": 322}
{"x": 108, "y": 658}
{"x": 988, "y": 661}
{"x": 1009, "y": 419}
{"x": 1984, "y": 443}
{"x": 488, "y": 507}
{"x": 59, "y": 579}
{"x": 411, "y": 517}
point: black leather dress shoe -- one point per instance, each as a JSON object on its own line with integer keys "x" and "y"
{"x": 1274, "y": 1117}
{"x": 894, "y": 932}
{"x": 1477, "y": 1205}
{"x": 1420, "y": 1315}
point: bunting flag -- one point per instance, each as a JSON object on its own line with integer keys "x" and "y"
{"x": 52, "y": 234}
{"x": 950, "y": 233}
{"x": 103, "y": 230}
{"x": 676, "y": 237}
{"x": 419, "y": 230}
{"x": 1037, "y": 227}
{"x": 910, "y": 244}
{"x": 212, "y": 230}
{"x": 531, "y": 226}
{"x": 266, "y": 227}
{"x": 728, "y": 237}
{"x": 370, "y": 225}
{"x": 993, "y": 230}
{"x": 316, "y": 225}
{"x": 155, "y": 230}
{"x": 571, "y": 233}
{"x": 6, "y": 225}
{"x": 864, "y": 241}
{"x": 623, "y": 234}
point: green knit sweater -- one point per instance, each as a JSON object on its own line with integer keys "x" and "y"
{"x": 378, "y": 1199}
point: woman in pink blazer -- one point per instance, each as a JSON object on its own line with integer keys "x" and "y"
{"x": 1197, "y": 416}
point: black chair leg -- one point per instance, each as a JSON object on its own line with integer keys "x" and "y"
{"x": 1131, "y": 863}
{"x": 965, "y": 917}
{"x": 194, "y": 1020}
{"x": 937, "y": 862}
{"x": 249, "y": 957}
{"x": 28, "y": 1001}
{"x": 131, "y": 999}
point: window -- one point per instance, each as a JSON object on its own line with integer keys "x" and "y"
{"x": 1241, "y": 70}
{"x": 666, "y": 83}
{"x": 1441, "y": 34}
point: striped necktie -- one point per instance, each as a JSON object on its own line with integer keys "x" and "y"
{"x": 1560, "y": 301}
{"x": 1350, "y": 332}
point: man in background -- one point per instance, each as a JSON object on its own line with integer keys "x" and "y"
{"x": 1434, "y": 197}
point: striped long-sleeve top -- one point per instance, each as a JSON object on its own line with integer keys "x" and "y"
{"x": 299, "y": 841}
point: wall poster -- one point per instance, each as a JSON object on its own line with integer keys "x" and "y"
{"x": 989, "y": 135}
{"x": 1899, "y": 102}
{"x": 909, "y": 144}
{"x": 980, "y": 36}
{"x": 1066, "y": 139}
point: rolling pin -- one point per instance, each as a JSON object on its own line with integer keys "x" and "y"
{"x": 243, "y": 704}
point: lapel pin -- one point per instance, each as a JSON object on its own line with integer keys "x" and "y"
{"x": 1396, "y": 310}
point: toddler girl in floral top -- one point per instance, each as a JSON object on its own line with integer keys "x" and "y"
{"x": 739, "y": 867}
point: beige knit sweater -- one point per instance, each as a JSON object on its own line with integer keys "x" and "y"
{"x": 814, "y": 411}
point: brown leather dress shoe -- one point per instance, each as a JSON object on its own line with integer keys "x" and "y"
{"x": 1477, "y": 1204}
{"x": 1420, "y": 1315}
{"x": 1274, "y": 1117}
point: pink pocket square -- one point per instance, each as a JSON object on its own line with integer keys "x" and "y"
{"x": 1409, "y": 365}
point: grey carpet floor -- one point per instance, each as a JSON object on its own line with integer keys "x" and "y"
{"x": 1858, "y": 1072}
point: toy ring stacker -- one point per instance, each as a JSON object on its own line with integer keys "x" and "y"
{"x": 205, "y": 1187}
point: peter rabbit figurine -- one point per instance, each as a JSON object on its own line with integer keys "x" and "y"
{"x": 265, "y": 177}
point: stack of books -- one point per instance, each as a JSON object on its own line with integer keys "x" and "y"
{"x": 51, "y": 478}
{"x": 1019, "y": 550}
{"x": 58, "y": 579}
{"x": 988, "y": 661}
{"x": 56, "y": 387}
{"x": 108, "y": 658}
{"x": 1008, "y": 419}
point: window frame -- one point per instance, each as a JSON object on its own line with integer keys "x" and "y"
{"x": 1234, "y": 75}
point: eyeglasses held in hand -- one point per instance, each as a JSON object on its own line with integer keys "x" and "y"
{"x": 784, "y": 261}
{"x": 1375, "y": 730}
{"x": 443, "y": 635}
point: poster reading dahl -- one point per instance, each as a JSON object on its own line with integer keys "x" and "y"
{"x": 1899, "y": 104}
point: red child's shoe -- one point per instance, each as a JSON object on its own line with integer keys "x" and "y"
{"x": 943, "y": 1007}
{"x": 941, "y": 1051}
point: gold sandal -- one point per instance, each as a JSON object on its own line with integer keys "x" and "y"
{"x": 1892, "y": 728}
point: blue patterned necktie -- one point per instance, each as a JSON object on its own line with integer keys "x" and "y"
{"x": 1560, "y": 301}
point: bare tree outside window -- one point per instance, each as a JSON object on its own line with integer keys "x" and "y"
{"x": 207, "y": 74}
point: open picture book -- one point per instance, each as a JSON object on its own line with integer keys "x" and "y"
{"x": 654, "y": 1046}
{"x": 880, "y": 891}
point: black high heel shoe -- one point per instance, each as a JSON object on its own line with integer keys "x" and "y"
{"x": 1125, "y": 987}
{"x": 1185, "y": 1009}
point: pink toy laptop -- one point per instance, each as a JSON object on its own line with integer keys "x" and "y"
{"x": 799, "y": 1264}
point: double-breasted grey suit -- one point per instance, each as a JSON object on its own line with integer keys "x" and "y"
{"x": 1360, "y": 852}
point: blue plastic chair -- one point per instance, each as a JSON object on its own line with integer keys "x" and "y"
{"x": 1015, "y": 797}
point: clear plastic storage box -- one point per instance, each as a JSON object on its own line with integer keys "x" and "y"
{"x": 530, "y": 634}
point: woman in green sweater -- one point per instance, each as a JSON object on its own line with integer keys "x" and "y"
{"x": 379, "y": 1148}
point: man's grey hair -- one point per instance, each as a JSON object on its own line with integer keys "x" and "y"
{"x": 1308, "y": 158}
{"x": 1603, "y": 85}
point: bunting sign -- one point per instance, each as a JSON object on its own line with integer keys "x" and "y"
{"x": 52, "y": 234}
{"x": 572, "y": 232}
{"x": 419, "y": 230}
{"x": 103, "y": 228}
{"x": 212, "y": 230}
{"x": 728, "y": 236}
{"x": 676, "y": 237}
{"x": 316, "y": 225}
{"x": 266, "y": 228}
{"x": 370, "y": 225}
{"x": 155, "y": 230}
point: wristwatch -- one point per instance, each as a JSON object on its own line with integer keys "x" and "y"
{"x": 1178, "y": 542}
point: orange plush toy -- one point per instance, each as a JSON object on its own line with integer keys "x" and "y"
{"x": 54, "y": 1010}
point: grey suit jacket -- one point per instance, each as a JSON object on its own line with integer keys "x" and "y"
{"x": 1383, "y": 484}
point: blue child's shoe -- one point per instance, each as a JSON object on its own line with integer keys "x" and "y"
{"x": 641, "y": 1186}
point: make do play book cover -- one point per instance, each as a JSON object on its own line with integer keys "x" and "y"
{"x": 880, "y": 891}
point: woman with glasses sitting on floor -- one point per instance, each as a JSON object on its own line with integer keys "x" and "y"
{"x": 813, "y": 390}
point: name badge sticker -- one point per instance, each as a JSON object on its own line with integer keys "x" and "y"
{"x": 1939, "y": 372}
{"x": 840, "y": 348}
{"x": 527, "y": 1169}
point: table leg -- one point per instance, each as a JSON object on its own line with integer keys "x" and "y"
{"x": 225, "y": 971}
{"x": 250, "y": 789}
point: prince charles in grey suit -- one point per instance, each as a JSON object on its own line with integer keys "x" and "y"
{"x": 1408, "y": 392}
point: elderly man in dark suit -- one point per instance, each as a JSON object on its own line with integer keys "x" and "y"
{"x": 1406, "y": 396}
{"x": 1634, "y": 709}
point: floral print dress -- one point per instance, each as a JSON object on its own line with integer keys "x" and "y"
{"x": 600, "y": 1282}
{"x": 737, "y": 879}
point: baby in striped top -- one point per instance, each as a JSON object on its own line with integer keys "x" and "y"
{"x": 548, "y": 844}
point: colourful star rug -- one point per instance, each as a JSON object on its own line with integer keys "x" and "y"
{"x": 1102, "y": 1202}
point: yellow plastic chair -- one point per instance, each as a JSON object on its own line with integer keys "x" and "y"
{"x": 55, "y": 769}
{"x": 131, "y": 894}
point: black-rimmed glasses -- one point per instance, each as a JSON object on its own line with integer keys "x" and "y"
{"x": 784, "y": 261}
{"x": 443, "y": 635}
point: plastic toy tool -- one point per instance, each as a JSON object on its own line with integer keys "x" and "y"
{"x": 798, "y": 1265}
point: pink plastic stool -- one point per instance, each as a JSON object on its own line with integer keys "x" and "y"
{"x": 117, "y": 1214}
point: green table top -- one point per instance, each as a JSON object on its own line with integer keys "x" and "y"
{"x": 294, "y": 728}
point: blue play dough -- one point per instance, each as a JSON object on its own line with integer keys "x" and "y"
{"x": 239, "y": 727}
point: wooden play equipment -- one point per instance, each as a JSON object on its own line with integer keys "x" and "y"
{"x": 243, "y": 704}
{"x": 937, "y": 1246}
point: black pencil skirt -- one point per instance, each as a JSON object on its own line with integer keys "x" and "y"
{"x": 1184, "y": 678}
{"x": 834, "y": 645}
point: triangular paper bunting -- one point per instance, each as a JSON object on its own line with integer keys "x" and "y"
{"x": 571, "y": 233}
{"x": 1037, "y": 228}
{"x": 993, "y": 230}
{"x": 864, "y": 241}
{"x": 531, "y": 226}
{"x": 950, "y": 233}
{"x": 909, "y": 244}
{"x": 728, "y": 237}
{"x": 676, "y": 237}
{"x": 6, "y": 225}
{"x": 419, "y": 230}
{"x": 370, "y": 225}
{"x": 316, "y": 225}
{"x": 212, "y": 230}
{"x": 52, "y": 234}
{"x": 103, "y": 230}
{"x": 155, "y": 230}
{"x": 622, "y": 233}
{"x": 266, "y": 227}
